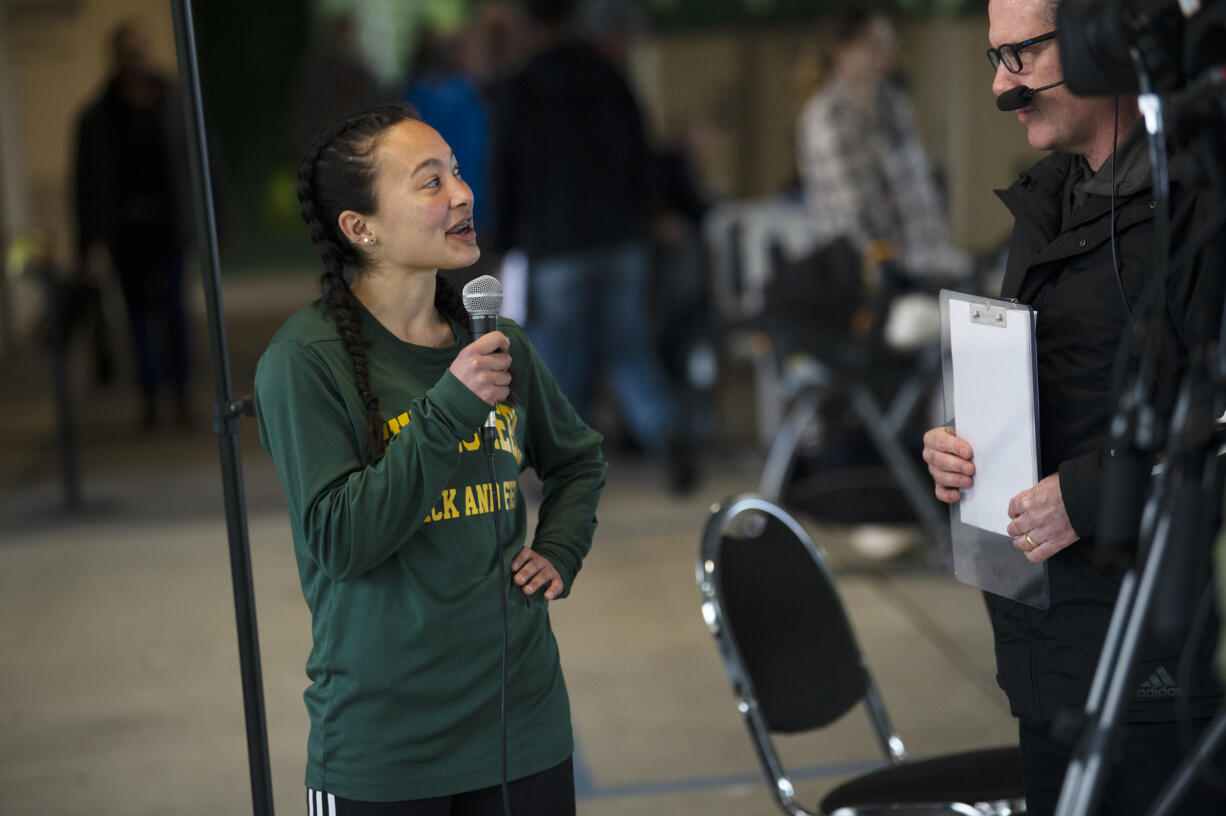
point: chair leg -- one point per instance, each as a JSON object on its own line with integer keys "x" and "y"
{"x": 783, "y": 446}
{"x": 915, "y": 485}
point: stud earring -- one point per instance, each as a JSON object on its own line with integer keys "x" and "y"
{"x": 368, "y": 240}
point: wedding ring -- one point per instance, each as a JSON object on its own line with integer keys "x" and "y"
{"x": 1031, "y": 541}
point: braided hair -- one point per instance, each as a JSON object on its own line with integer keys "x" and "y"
{"x": 338, "y": 173}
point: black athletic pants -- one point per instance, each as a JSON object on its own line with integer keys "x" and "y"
{"x": 548, "y": 793}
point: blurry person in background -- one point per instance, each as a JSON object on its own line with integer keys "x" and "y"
{"x": 612, "y": 27}
{"x": 503, "y": 42}
{"x": 572, "y": 192}
{"x": 863, "y": 168}
{"x": 442, "y": 87}
{"x": 869, "y": 189}
{"x": 132, "y": 200}
{"x": 682, "y": 313}
{"x": 333, "y": 80}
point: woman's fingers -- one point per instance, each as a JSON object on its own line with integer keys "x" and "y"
{"x": 532, "y": 571}
{"x": 484, "y": 367}
{"x": 490, "y": 343}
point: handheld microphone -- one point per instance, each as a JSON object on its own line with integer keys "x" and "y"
{"x": 1019, "y": 97}
{"x": 482, "y": 299}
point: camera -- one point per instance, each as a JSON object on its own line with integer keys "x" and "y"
{"x": 1106, "y": 45}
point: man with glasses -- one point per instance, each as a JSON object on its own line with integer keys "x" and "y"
{"x": 1081, "y": 257}
{"x": 1010, "y": 53}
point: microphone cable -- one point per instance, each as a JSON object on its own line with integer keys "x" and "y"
{"x": 482, "y": 298}
{"x": 1115, "y": 258}
{"x": 487, "y": 437}
{"x": 488, "y": 433}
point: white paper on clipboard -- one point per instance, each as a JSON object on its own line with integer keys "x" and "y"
{"x": 994, "y": 391}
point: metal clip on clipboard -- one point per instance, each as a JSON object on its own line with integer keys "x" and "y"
{"x": 985, "y": 314}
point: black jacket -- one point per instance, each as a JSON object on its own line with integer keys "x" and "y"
{"x": 131, "y": 174}
{"x": 570, "y": 170}
{"x": 1060, "y": 262}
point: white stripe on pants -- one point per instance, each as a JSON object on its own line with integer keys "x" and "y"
{"x": 315, "y": 803}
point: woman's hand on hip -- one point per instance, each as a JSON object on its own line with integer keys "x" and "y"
{"x": 532, "y": 571}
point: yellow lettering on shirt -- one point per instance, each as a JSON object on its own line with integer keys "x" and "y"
{"x": 508, "y": 422}
{"x": 449, "y": 508}
{"x": 483, "y": 497}
{"x": 394, "y": 426}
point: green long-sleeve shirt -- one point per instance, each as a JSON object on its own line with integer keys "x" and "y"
{"x": 396, "y": 558}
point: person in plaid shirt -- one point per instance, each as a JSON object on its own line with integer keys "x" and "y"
{"x": 864, "y": 171}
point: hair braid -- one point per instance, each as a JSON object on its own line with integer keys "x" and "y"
{"x": 336, "y": 175}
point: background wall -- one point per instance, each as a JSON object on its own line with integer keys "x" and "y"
{"x": 750, "y": 85}
{"x": 743, "y": 84}
{"x": 57, "y": 52}
{"x": 55, "y": 56}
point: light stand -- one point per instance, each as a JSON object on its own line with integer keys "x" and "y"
{"x": 1185, "y": 496}
{"x": 227, "y": 414}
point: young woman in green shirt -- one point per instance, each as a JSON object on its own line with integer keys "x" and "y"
{"x": 370, "y": 401}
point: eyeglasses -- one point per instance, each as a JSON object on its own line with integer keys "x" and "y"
{"x": 1010, "y": 53}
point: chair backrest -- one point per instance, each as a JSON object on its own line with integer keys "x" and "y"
{"x": 816, "y": 292}
{"x": 739, "y": 235}
{"x": 773, "y": 606}
{"x": 770, "y": 600}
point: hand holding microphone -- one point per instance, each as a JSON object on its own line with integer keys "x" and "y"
{"x": 488, "y": 363}
{"x": 484, "y": 367}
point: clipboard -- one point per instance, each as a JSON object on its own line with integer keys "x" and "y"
{"x": 990, "y": 390}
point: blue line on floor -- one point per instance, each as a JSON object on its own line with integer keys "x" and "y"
{"x": 586, "y": 787}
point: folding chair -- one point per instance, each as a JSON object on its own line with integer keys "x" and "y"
{"x": 847, "y": 448}
{"x": 794, "y": 664}
{"x": 739, "y": 237}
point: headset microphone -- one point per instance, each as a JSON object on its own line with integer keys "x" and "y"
{"x": 1019, "y": 97}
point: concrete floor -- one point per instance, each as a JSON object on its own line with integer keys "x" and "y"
{"x": 121, "y": 689}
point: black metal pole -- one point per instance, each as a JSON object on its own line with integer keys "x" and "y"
{"x": 1213, "y": 738}
{"x": 226, "y": 416}
{"x": 66, "y": 420}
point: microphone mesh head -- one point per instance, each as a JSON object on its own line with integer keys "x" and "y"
{"x": 482, "y": 295}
